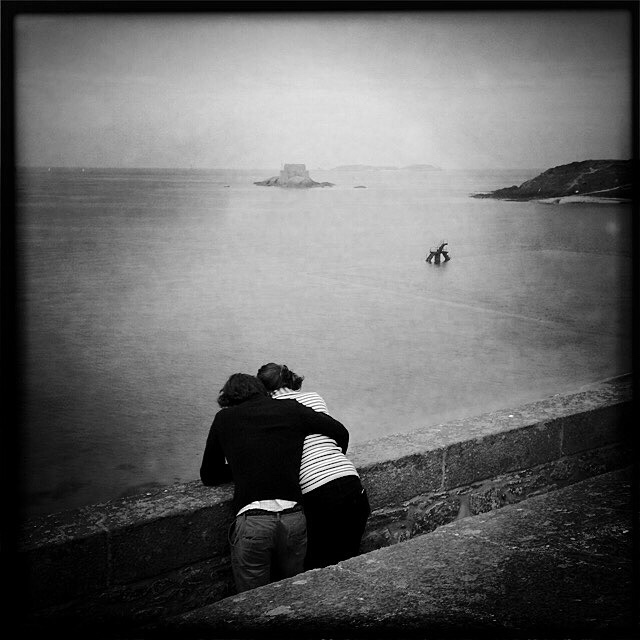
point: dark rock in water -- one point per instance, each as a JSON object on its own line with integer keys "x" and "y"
{"x": 293, "y": 176}
{"x": 596, "y": 178}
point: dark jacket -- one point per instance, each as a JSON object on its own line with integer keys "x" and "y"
{"x": 262, "y": 441}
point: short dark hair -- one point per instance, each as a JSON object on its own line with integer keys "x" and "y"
{"x": 239, "y": 388}
{"x": 273, "y": 376}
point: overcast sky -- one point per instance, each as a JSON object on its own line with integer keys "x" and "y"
{"x": 459, "y": 90}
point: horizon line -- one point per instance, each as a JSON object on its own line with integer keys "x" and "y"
{"x": 338, "y": 167}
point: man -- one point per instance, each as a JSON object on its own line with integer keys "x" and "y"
{"x": 256, "y": 441}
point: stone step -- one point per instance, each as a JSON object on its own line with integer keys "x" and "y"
{"x": 554, "y": 564}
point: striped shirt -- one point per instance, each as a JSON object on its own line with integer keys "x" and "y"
{"x": 322, "y": 459}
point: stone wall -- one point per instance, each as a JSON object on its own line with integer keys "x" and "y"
{"x": 162, "y": 553}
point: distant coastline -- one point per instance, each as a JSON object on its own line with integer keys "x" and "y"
{"x": 368, "y": 167}
{"x": 594, "y": 181}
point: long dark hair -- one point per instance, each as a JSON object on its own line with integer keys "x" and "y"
{"x": 273, "y": 376}
{"x": 239, "y": 388}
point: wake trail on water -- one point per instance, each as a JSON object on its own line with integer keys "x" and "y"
{"x": 497, "y": 313}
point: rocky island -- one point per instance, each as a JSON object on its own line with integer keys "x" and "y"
{"x": 585, "y": 181}
{"x": 293, "y": 176}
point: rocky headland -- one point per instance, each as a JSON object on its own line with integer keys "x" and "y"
{"x": 585, "y": 181}
{"x": 293, "y": 176}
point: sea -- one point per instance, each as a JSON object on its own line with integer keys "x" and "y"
{"x": 141, "y": 290}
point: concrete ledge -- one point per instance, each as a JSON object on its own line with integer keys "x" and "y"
{"x": 124, "y": 541}
{"x": 556, "y": 565}
{"x": 464, "y": 451}
{"x": 166, "y": 551}
{"x": 425, "y": 513}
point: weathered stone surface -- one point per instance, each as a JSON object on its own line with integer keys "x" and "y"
{"x": 600, "y": 427}
{"x": 175, "y": 501}
{"x": 467, "y": 462}
{"x": 154, "y": 547}
{"x": 124, "y": 540}
{"x": 425, "y": 513}
{"x": 120, "y": 609}
{"x": 400, "y": 479}
{"x": 560, "y": 563}
{"x": 58, "y": 573}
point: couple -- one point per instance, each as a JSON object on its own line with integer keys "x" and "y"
{"x": 298, "y": 499}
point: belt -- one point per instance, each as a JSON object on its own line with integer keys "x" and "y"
{"x": 264, "y": 512}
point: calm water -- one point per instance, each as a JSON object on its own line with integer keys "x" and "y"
{"x": 144, "y": 290}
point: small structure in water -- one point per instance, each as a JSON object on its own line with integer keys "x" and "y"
{"x": 436, "y": 253}
{"x": 293, "y": 170}
{"x": 293, "y": 176}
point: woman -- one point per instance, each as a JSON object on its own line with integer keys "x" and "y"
{"x": 335, "y": 503}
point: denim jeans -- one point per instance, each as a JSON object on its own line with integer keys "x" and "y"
{"x": 267, "y": 547}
